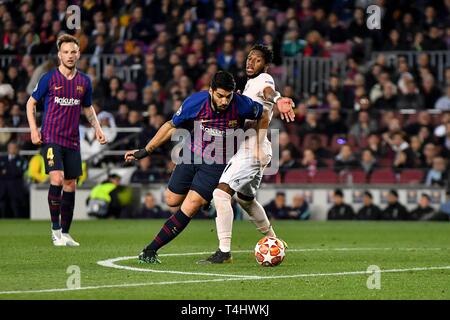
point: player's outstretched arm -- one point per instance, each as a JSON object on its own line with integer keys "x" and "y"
{"x": 31, "y": 116}
{"x": 261, "y": 131}
{"x": 91, "y": 116}
{"x": 162, "y": 136}
{"x": 285, "y": 105}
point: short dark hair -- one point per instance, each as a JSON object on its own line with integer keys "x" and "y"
{"x": 426, "y": 196}
{"x": 394, "y": 193}
{"x": 339, "y": 193}
{"x": 66, "y": 38}
{"x": 280, "y": 193}
{"x": 223, "y": 80}
{"x": 369, "y": 194}
{"x": 267, "y": 53}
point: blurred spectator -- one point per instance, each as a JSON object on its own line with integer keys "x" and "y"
{"x": 411, "y": 98}
{"x": 319, "y": 150}
{"x": 287, "y": 161}
{"x": 5, "y": 137}
{"x": 368, "y": 163}
{"x": 311, "y": 163}
{"x": 36, "y": 169}
{"x": 277, "y": 208}
{"x": 286, "y": 144}
{"x": 423, "y": 120}
{"x": 300, "y": 208}
{"x": 394, "y": 210}
{"x": 315, "y": 47}
{"x": 311, "y": 124}
{"x": 433, "y": 40}
{"x": 345, "y": 160}
{"x": 368, "y": 211}
{"x": 13, "y": 193}
{"x": 444, "y": 210}
{"x": 443, "y": 103}
{"x": 429, "y": 153}
{"x": 423, "y": 211}
{"x": 226, "y": 58}
{"x": 335, "y": 124}
{"x": 404, "y": 156}
{"x": 394, "y": 43}
{"x": 363, "y": 127}
{"x": 292, "y": 45}
{"x": 375, "y": 146}
{"x": 388, "y": 101}
{"x": 438, "y": 174}
{"x": 145, "y": 174}
{"x": 109, "y": 198}
{"x": 150, "y": 210}
{"x": 430, "y": 91}
{"x": 340, "y": 210}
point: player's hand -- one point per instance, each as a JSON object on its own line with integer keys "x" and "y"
{"x": 129, "y": 155}
{"x": 36, "y": 137}
{"x": 101, "y": 137}
{"x": 285, "y": 106}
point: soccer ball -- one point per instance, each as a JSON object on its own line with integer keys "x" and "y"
{"x": 269, "y": 251}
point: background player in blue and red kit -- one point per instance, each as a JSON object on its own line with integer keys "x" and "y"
{"x": 191, "y": 185}
{"x": 66, "y": 92}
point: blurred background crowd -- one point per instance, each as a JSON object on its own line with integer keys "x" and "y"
{"x": 382, "y": 121}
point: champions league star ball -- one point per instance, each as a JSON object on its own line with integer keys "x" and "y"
{"x": 269, "y": 251}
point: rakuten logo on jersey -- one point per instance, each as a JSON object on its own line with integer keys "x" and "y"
{"x": 67, "y": 101}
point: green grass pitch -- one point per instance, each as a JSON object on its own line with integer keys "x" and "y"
{"x": 325, "y": 260}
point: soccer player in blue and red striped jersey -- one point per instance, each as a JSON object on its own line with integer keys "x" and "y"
{"x": 66, "y": 92}
{"x": 210, "y": 116}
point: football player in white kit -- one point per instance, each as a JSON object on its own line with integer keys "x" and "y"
{"x": 244, "y": 171}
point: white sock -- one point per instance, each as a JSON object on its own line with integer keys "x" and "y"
{"x": 224, "y": 220}
{"x": 258, "y": 216}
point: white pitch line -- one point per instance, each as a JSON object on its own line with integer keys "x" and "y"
{"x": 129, "y": 285}
{"x": 110, "y": 263}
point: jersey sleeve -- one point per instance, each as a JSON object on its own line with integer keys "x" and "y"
{"x": 87, "y": 98}
{"x": 41, "y": 88}
{"x": 188, "y": 109}
{"x": 265, "y": 80}
{"x": 248, "y": 108}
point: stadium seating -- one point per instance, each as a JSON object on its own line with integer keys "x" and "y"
{"x": 411, "y": 176}
{"x": 385, "y": 175}
{"x": 296, "y": 176}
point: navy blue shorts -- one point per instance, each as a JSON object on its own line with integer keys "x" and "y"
{"x": 57, "y": 157}
{"x": 202, "y": 178}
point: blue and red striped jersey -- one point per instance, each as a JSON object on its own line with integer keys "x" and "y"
{"x": 62, "y": 106}
{"x": 196, "y": 112}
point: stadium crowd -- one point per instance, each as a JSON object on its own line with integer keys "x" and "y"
{"x": 174, "y": 47}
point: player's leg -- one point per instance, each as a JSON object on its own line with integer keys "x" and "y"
{"x": 72, "y": 170}
{"x": 256, "y": 213}
{"x": 173, "y": 226}
{"x": 54, "y": 168}
{"x": 201, "y": 180}
{"x": 176, "y": 192}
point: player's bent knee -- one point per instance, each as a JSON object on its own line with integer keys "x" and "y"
{"x": 219, "y": 194}
{"x": 70, "y": 185}
{"x": 56, "y": 178}
{"x": 173, "y": 200}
